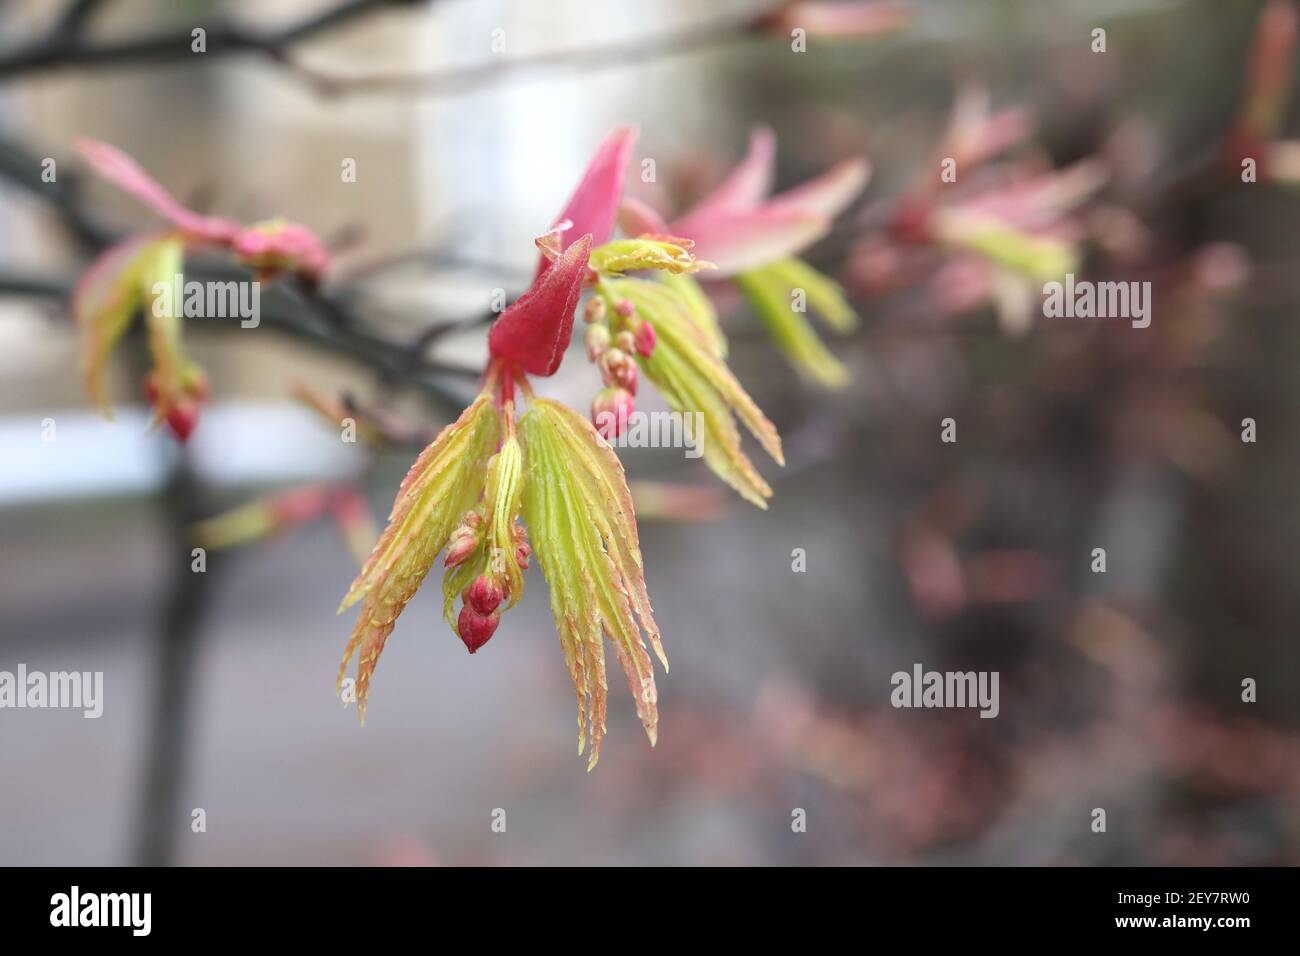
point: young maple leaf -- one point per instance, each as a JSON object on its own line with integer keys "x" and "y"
{"x": 685, "y": 365}
{"x": 754, "y": 238}
{"x": 120, "y": 283}
{"x": 441, "y": 487}
{"x": 579, "y": 513}
{"x": 123, "y": 279}
{"x": 468, "y": 492}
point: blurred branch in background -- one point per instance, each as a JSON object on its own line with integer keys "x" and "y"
{"x": 66, "y": 46}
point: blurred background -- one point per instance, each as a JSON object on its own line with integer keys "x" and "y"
{"x": 1119, "y": 690}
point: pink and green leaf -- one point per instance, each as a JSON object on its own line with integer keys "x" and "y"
{"x": 698, "y": 309}
{"x": 579, "y": 513}
{"x": 495, "y": 554}
{"x": 824, "y": 294}
{"x": 444, "y": 483}
{"x": 124, "y": 172}
{"x": 104, "y": 302}
{"x": 692, "y": 378}
{"x": 662, "y": 253}
{"x": 592, "y": 208}
{"x": 769, "y": 296}
{"x": 738, "y": 239}
{"x": 830, "y": 193}
{"x": 750, "y": 180}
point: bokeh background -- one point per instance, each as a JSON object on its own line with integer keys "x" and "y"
{"x": 1119, "y": 690}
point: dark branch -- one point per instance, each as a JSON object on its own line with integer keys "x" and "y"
{"x": 329, "y": 321}
{"x": 23, "y": 168}
{"x": 64, "y": 48}
{"x": 66, "y": 45}
{"x": 445, "y": 82}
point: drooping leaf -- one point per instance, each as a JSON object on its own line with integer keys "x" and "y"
{"x": 1040, "y": 257}
{"x": 163, "y": 292}
{"x": 444, "y": 483}
{"x": 579, "y": 515}
{"x": 699, "y": 310}
{"x": 104, "y": 302}
{"x": 824, "y": 293}
{"x": 124, "y": 172}
{"x": 790, "y": 329}
{"x": 265, "y": 516}
{"x": 689, "y": 374}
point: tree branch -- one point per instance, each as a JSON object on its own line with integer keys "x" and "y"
{"x": 331, "y": 322}
{"x": 66, "y": 46}
{"x": 452, "y": 80}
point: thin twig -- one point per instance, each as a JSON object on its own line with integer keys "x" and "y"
{"x": 62, "y": 48}
{"x": 460, "y": 79}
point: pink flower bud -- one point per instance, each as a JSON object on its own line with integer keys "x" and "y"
{"x": 594, "y": 311}
{"x": 462, "y": 543}
{"x": 610, "y": 410}
{"x": 182, "y": 418}
{"x": 476, "y": 629}
{"x": 625, "y": 308}
{"x": 151, "y": 390}
{"x": 618, "y": 368}
{"x": 645, "y": 339}
{"x": 483, "y": 595}
{"x": 597, "y": 342}
{"x": 523, "y": 551}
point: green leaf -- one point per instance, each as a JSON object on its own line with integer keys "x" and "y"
{"x": 1043, "y": 258}
{"x": 769, "y": 295}
{"x": 699, "y": 310}
{"x": 579, "y": 515}
{"x": 106, "y": 299}
{"x": 692, "y": 378}
{"x": 823, "y": 293}
{"x": 444, "y": 483}
{"x": 631, "y": 255}
{"x": 162, "y": 316}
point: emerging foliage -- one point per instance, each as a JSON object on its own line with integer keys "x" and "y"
{"x": 442, "y": 485}
{"x": 686, "y": 368}
{"x": 772, "y": 291}
{"x": 579, "y": 513}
